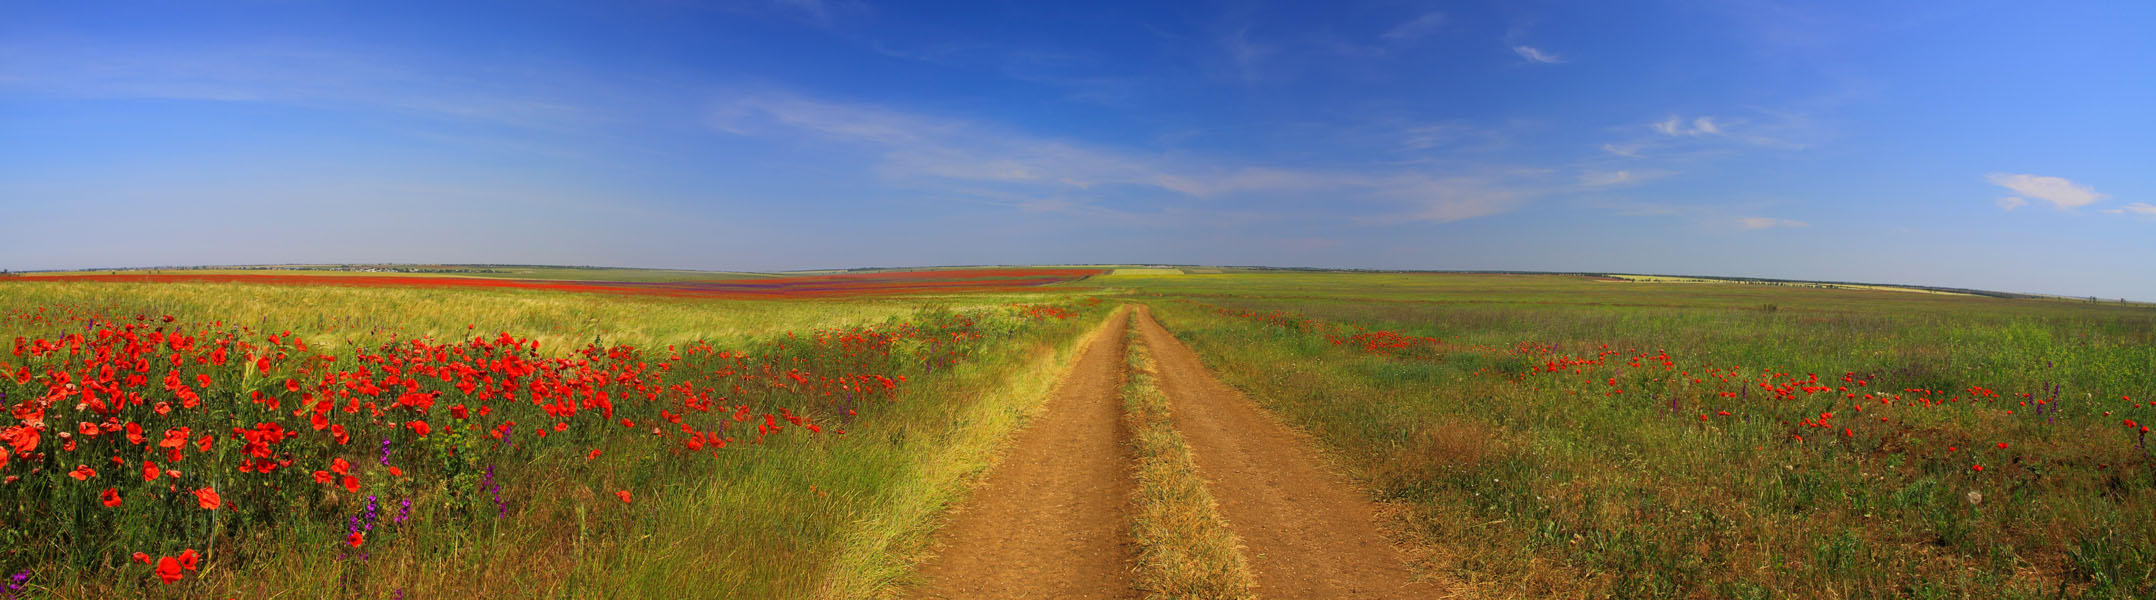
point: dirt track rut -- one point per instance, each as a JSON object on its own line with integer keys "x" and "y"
{"x": 1051, "y": 520}
{"x": 1307, "y": 532}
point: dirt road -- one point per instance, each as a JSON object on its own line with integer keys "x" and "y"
{"x": 1307, "y": 532}
{"x": 1051, "y": 520}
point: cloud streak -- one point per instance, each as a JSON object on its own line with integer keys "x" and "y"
{"x": 1416, "y": 28}
{"x": 2142, "y": 209}
{"x": 1769, "y": 223}
{"x": 313, "y": 77}
{"x": 2062, "y": 194}
{"x": 1536, "y": 55}
{"x": 1046, "y": 173}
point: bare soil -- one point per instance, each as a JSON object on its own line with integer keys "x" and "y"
{"x": 1051, "y": 519}
{"x": 1307, "y": 531}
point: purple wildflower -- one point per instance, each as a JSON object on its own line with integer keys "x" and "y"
{"x": 15, "y": 583}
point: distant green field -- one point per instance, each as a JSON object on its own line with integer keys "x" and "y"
{"x": 1542, "y": 447}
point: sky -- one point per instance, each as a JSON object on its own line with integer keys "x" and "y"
{"x": 1969, "y": 143}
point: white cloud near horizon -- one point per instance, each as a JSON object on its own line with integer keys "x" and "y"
{"x": 2143, "y": 209}
{"x": 1768, "y": 223}
{"x": 2062, "y": 194}
{"x": 1598, "y": 179}
{"x": 2012, "y": 202}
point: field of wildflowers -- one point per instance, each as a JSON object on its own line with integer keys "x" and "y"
{"x": 1565, "y": 437}
{"x": 150, "y": 454}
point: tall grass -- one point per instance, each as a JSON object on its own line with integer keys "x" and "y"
{"x": 1553, "y": 487}
{"x": 330, "y": 315}
{"x": 798, "y": 516}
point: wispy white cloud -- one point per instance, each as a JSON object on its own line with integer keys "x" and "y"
{"x": 1676, "y": 126}
{"x": 2012, "y": 202}
{"x": 920, "y": 148}
{"x": 2062, "y": 194}
{"x": 1768, "y": 223}
{"x": 300, "y": 76}
{"x": 1536, "y": 55}
{"x": 1605, "y": 178}
{"x": 1598, "y": 179}
{"x": 1243, "y": 54}
{"x": 1711, "y": 134}
{"x": 1416, "y": 28}
{"x": 2142, "y": 209}
{"x": 1624, "y": 150}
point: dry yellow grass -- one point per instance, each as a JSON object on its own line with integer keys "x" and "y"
{"x": 1185, "y": 549}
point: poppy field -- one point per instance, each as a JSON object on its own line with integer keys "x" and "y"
{"x": 1553, "y": 436}
{"x": 170, "y": 453}
{"x": 1535, "y": 436}
{"x": 775, "y": 287}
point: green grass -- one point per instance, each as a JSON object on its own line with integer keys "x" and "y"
{"x": 799, "y": 516}
{"x": 329, "y": 315}
{"x": 1550, "y": 485}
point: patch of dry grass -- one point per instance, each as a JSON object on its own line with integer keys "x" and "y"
{"x": 1185, "y": 549}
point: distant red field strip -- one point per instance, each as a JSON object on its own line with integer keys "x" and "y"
{"x": 805, "y": 286}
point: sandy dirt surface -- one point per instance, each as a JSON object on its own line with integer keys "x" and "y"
{"x": 1307, "y": 531}
{"x": 1052, "y": 518}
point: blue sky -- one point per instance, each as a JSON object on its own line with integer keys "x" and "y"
{"x": 1996, "y": 145}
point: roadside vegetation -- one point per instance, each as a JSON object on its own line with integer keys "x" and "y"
{"x": 1564, "y": 437}
{"x": 1185, "y": 549}
{"x": 215, "y": 440}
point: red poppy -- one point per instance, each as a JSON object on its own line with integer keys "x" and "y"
{"x": 355, "y": 539}
{"x": 420, "y": 427}
{"x": 340, "y": 466}
{"x": 82, "y": 472}
{"x": 188, "y": 560}
{"x": 351, "y": 484}
{"x": 149, "y": 471}
{"x": 22, "y": 438}
{"x": 594, "y": 454}
{"x": 168, "y": 570}
{"x": 208, "y": 499}
{"x": 396, "y": 472}
{"x": 1979, "y": 468}
{"x": 323, "y": 477}
{"x": 623, "y": 495}
{"x": 142, "y": 558}
{"x": 111, "y": 497}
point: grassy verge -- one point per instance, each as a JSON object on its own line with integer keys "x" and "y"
{"x": 796, "y": 516}
{"x": 1631, "y": 479}
{"x": 1185, "y": 549}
